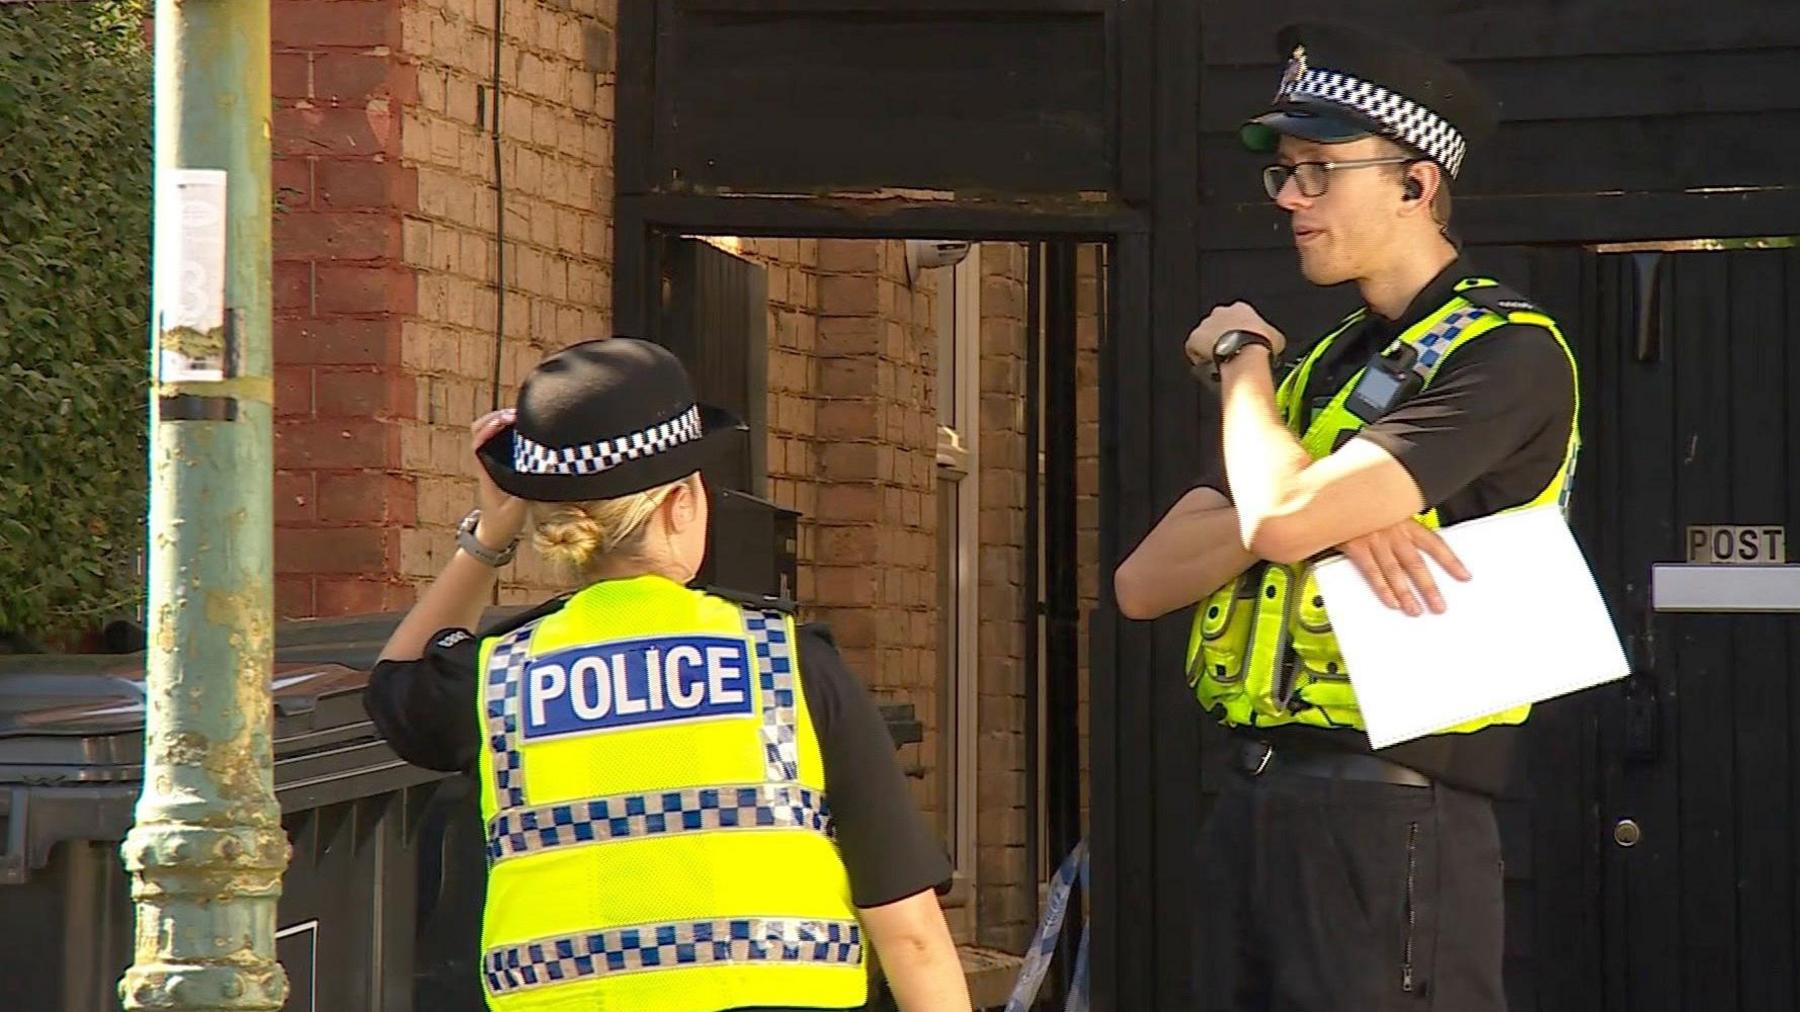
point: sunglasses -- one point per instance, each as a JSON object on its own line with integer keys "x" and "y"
{"x": 1312, "y": 177}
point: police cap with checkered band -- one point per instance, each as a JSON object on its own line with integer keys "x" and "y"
{"x": 1342, "y": 84}
{"x": 602, "y": 419}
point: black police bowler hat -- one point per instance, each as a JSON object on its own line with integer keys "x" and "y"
{"x": 603, "y": 419}
{"x": 1343, "y": 83}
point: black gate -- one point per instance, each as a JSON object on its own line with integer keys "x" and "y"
{"x": 1698, "y": 755}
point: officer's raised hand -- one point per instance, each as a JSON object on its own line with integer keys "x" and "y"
{"x": 1224, "y": 319}
{"x": 1393, "y": 561}
{"x": 502, "y": 515}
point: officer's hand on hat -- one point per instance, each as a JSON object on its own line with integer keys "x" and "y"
{"x": 1235, "y": 316}
{"x": 502, "y": 515}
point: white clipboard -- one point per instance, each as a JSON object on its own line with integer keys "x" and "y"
{"x": 1529, "y": 625}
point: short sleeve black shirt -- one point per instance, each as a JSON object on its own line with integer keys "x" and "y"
{"x": 1488, "y": 434}
{"x": 426, "y": 709}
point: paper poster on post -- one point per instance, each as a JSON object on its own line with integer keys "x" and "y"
{"x": 193, "y": 341}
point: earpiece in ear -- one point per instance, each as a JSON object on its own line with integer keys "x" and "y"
{"x": 1413, "y": 189}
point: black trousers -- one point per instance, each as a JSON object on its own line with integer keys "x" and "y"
{"x": 1333, "y": 895}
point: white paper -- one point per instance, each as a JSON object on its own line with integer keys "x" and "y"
{"x": 1530, "y": 624}
{"x": 190, "y": 274}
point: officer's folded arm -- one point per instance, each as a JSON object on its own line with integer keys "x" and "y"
{"x": 1289, "y": 506}
{"x": 1191, "y": 552}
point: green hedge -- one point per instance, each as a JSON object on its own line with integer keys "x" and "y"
{"x": 75, "y": 198}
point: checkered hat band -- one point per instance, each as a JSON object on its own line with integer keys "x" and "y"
{"x": 1410, "y": 122}
{"x": 624, "y": 816}
{"x": 670, "y": 946}
{"x": 532, "y": 457}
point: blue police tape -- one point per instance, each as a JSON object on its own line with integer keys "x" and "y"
{"x": 1043, "y": 943}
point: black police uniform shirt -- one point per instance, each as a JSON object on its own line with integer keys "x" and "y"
{"x": 1489, "y": 433}
{"x": 425, "y": 708}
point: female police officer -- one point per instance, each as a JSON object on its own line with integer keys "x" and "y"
{"x": 654, "y": 760}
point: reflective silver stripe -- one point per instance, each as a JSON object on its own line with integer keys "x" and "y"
{"x": 506, "y": 666}
{"x": 775, "y": 666}
{"x": 597, "y": 820}
{"x": 668, "y": 946}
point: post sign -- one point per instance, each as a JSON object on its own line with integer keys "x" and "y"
{"x": 1732, "y": 544}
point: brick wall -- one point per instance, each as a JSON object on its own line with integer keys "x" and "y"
{"x": 1089, "y": 294}
{"x": 385, "y": 287}
{"x": 850, "y": 347}
{"x": 341, "y": 292}
{"x": 876, "y": 437}
{"x": 1003, "y": 888}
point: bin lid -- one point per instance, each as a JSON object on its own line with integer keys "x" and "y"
{"x": 81, "y": 716}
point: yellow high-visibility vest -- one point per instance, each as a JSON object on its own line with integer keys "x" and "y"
{"x": 658, "y": 833}
{"x": 1261, "y": 651}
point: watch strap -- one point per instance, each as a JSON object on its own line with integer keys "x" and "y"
{"x": 468, "y": 542}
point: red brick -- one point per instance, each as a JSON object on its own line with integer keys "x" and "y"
{"x": 339, "y": 394}
{"x": 838, "y": 419}
{"x": 351, "y": 596}
{"x": 292, "y": 180}
{"x": 293, "y": 594}
{"x": 848, "y": 335}
{"x": 845, "y": 545}
{"x": 293, "y": 390}
{"x": 337, "y": 131}
{"x": 326, "y": 235}
{"x": 356, "y": 77}
{"x": 338, "y": 341}
{"x": 368, "y": 497}
{"x": 336, "y": 443}
{"x": 849, "y": 502}
{"x": 294, "y": 505}
{"x": 845, "y": 586}
{"x": 850, "y": 462}
{"x": 849, "y": 295}
{"x": 314, "y": 23}
{"x": 364, "y": 290}
{"x": 847, "y": 377}
{"x": 350, "y": 550}
{"x": 345, "y": 184}
{"x": 293, "y": 288}
{"x": 290, "y": 75}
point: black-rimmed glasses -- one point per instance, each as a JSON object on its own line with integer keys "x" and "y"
{"x": 1312, "y": 177}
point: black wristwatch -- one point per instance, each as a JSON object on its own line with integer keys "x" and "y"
{"x": 1233, "y": 342}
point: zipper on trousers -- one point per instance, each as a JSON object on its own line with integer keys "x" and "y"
{"x": 1412, "y": 916}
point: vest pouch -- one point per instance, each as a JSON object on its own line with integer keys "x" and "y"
{"x": 1264, "y": 675}
{"x": 1216, "y": 652}
{"x": 1311, "y": 629}
{"x": 1320, "y": 676}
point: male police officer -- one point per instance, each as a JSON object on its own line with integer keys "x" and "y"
{"x": 1335, "y": 878}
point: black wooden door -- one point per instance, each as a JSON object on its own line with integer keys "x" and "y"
{"x": 1698, "y": 750}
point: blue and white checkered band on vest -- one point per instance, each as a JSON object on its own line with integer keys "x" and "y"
{"x": 532, "y": 457}
{"x": 1407, "y": 121}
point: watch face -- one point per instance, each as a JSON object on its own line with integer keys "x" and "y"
{"x": 1234, "y": 341}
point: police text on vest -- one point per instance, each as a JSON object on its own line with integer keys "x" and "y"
{"x": 631, "y": 683}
